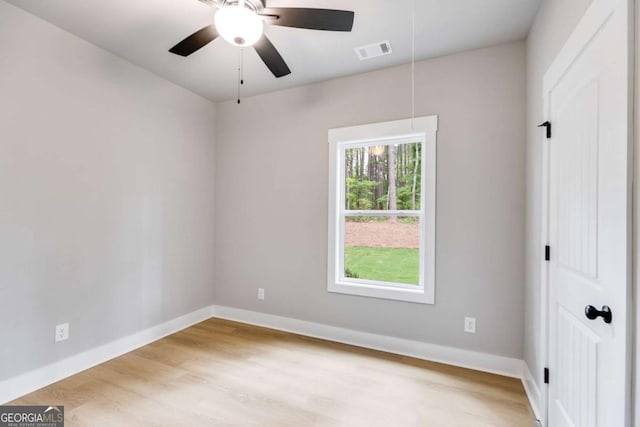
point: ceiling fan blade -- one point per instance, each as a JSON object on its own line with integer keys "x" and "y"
{"x": 271, "y": 57}
{"x": 195, "y": 41}
{"x": 313, "y": 19}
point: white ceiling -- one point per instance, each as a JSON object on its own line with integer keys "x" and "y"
{"x": 142, "y": 31}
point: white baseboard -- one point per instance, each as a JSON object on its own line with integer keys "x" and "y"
{"x": 437, "y": 353}
{"x": 28, "y": 382}
{"x": 20, "y": 385}
{"x": 532, "y": 390}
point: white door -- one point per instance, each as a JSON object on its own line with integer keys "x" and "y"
{"x": 587, "y": 94}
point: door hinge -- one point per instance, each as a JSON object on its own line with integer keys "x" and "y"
{"x": 547, "y": 253}
{"x": 546, "y": 375}
{"x": 546, "y": 125}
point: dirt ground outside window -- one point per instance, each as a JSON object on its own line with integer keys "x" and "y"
{"x": 382, "y": 234}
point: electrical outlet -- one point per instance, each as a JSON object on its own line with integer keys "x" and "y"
{"x": 62, "y": 332}
{"x": 470, "y": 325}
{"x": 260, "y": 293}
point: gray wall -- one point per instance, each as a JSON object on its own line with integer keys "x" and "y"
{"x": 271, "y": 208}
{"x": 107, "y": 198}
{"x": 553, "y": 25}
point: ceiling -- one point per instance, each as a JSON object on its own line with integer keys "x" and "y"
{"x": 142, "y": 31}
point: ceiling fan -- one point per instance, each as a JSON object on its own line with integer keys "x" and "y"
{"x": 241, "y": 23}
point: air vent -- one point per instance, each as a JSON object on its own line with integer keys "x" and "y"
{"x": 373, "y": 50}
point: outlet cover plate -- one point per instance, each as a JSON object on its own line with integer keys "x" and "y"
{"x": 470, "y": 325}
{"x": 62, "y": 332}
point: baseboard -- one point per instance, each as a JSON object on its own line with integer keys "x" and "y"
{"x": 20, "y": 385}
{"x": 532, "y": 390}
{"x": 437, "y": 353}
{"x": 28, "y": 382}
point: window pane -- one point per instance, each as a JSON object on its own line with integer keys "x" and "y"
{"x": 382, "y": 248}
{"x": 370, "y": 186}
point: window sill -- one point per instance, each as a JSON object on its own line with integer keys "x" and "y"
{"x": 418, "y": 295}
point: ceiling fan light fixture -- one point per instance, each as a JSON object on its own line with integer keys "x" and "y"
{"x": 238, "y": 25}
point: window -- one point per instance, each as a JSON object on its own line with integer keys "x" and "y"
{"x": 382, "y": 188}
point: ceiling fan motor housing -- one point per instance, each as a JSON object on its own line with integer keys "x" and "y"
{"x": 256, "y": 6}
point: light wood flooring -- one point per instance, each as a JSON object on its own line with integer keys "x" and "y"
{"x": 222, "y": 373}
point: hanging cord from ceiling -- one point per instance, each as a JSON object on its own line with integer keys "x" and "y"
{"x": 413, "y": 63}
{"x": 240, "y": 71}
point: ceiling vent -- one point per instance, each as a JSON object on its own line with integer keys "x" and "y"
{"x": 373, "y": 50}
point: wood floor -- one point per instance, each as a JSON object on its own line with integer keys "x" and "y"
{"x": 222, "y": 373}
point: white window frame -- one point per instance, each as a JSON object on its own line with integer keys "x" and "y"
{"x": 421, "y": 129}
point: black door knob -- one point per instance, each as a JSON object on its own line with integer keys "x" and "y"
{"x": 593, "y": 313}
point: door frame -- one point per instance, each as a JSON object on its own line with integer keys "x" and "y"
{"x": 593, "y": 19}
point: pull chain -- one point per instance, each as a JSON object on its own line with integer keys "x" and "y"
{"x": 240, "y": 71}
